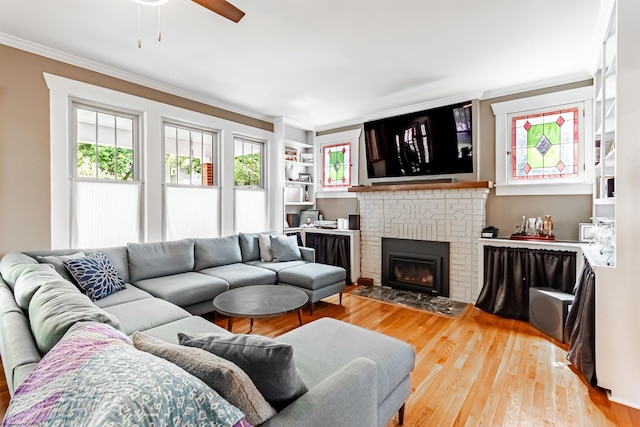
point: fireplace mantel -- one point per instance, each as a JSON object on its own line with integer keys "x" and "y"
{"x": 422, "y": 186}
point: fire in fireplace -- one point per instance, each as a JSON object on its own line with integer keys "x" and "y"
{"x": 416, "y": 265}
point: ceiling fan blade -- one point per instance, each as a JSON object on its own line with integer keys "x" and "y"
{"x": 222, "y": 8}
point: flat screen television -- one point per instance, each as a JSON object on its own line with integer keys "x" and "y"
{"x": 437, "y": 141}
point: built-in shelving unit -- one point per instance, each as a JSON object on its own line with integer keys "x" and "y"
{"x": 605, "y": 80}
{"x": 296, "y": 143}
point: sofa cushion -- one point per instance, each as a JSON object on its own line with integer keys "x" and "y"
{"x": 216, "y": 251}
{"x": 168, "y": 332}
{"x": 95, "y": 376}
{"x": 268, "y": 363}
{"x": 128, "y": 294}
{"x": 147, "y": 260}
{"x": 312, "y": 275}
{"x": 57, "y": 306}
{"x": 249, "y": 246}
{"x": 277, "y": 266}
{"x": 237, "y": 275}
{"x": 145, "y": 314}
{"x": 325, "y": 345}
{"x": 285, "y": 248}
{"x": 119, "y": 259}
{"x": 95, "y": 275}
{"x": 31, "y": 279}
{"x": 264, "y": 241}
{"x": 225, "y": 377}
{"x": 184, "y": 289}
{"x": 57, "y": 262}
{"x": 12, "y": 265}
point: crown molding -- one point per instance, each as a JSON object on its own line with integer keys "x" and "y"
{"x": 542, "y": 84}
{"x": 77, "y": 61}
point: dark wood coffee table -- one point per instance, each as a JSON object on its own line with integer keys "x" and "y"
{"x": 260, "y": 301}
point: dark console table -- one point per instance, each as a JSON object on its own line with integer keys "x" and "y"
{"x": 509, "y": 268}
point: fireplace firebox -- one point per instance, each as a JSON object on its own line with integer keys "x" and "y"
{"x": 416, "y": 265}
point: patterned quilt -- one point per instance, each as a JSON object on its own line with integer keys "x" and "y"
{"x": 95, "y": 377}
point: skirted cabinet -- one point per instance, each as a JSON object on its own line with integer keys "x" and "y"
{"x": 580, "y": 327}
{"x": 509, "y": 268}
{"x": 334, "y": 247}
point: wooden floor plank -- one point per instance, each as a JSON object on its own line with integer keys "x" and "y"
{"x": 479, "y": 370}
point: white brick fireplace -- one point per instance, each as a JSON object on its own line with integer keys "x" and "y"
{"x": 445, "y": 212}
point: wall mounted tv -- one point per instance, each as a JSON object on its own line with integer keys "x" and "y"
{"x": 431, "y": 142}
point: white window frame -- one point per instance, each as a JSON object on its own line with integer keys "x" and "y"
{"x": 75, "y": 180}
{"x": 135, "y": 116}
{"x": 504, "y": 111}
{"x": 61, "y": 92}
{"x": 215, "y": 149}
{"x": 262, "y": 189}
{"x": 193, "y": 223}
{"x": 345, "y": 137}
{"x": 263, "y": 159}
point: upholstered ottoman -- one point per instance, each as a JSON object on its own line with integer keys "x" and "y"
{"x": 323, "y": 346}
{"x": 317, "y": 280}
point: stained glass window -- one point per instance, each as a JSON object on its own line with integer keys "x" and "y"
{"x": 336, "y": 165}
{"x": 545, "y": 145}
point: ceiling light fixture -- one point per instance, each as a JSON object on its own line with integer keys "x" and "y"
{"x": 155, "y": 3}
{"x": 151, "y": 2}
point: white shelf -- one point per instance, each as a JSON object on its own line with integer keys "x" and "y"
{"x": 299, "y": 203}
{"x": 297, "y": 144}
{"x": 301, "y": 164}
{"x": 298, "y": 183}
{"x": 604, "y": 201}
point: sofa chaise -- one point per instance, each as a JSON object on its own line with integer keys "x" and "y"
{"x": 354, "y": 376}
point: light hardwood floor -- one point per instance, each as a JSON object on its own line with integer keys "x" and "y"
{"x": 477, "y": 370}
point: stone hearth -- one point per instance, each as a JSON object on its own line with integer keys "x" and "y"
{"x": 453, "y": 212}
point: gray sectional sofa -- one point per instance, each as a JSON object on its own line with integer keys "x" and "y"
{"x": 169, "y": 283}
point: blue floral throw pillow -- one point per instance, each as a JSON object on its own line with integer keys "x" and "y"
{"x": 95, "y": 274}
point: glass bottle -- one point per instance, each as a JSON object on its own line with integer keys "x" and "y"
{"x": 547, "y": 226}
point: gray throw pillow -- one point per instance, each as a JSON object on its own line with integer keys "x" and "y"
{"x": 56, "y": 306}
{"x": 57, "y": 262}
{"x": 268, "y": 363}
{"x": 249, "y": 246}
{"x": 285, "y": 248}
{"x": 225, "y": 377}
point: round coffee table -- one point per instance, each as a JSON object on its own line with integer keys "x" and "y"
{"x": 260, "y": 301}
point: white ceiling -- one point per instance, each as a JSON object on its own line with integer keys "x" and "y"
{"x": 322, "y": 62}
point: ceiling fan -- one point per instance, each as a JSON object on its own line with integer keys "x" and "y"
{"x": 222, "y": 8}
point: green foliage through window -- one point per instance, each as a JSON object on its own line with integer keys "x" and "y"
{"x": 247, "y": 171}
{"x": 113, "y": 163}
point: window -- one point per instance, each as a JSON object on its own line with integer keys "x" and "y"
{"x": 142, "y": 206}
{"x": 191, "y": 195}
{"x": 336, "y": 165}
{"x": 188, "y": 156}
{"x": 105, "y": 207}
{"x": 247, "y": 161}
{"x": 543, "y": 144}
{"x": 339, "y": 164}
{"x": 250, "y": 194}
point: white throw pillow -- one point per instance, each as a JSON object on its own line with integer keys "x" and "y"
{"x": 264, "y": 241}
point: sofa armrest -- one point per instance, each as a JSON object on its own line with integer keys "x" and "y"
{"x": 308, "y": 254}
{"x": 346, "y": 398}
